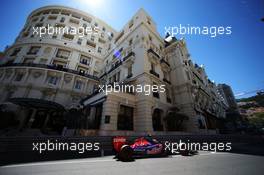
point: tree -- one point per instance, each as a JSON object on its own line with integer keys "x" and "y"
{"x": 257, "y": 119}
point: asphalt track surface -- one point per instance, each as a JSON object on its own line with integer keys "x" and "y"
{"x": 202, "y": 164}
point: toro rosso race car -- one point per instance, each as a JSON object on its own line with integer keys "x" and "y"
{"x": 141, "y": 147}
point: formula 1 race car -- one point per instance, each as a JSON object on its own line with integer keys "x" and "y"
{"x": 141, "y": 147}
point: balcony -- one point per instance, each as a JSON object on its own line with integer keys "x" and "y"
{"x": 62, "y": 57}
{"x": 61, "y": 60}
{"x": 104, "y": 74}
{"x": 125, "y": 59}
{"x": 60, "y": 67}
{"x": 53, "y": 67}
{"x": 164, "y": 62}
{"x": 68, "y": 37}
{"x": 167, "y": 81}
{"x": 74, "y": 21}
{"x": 91, "y": 44}
{"x": 85, "y": 62}
{"x": 131, "y": 54}
{"x": 154, "y": 73}
{"x": 129, "y": 59}
{"x": 115, "y": 66}
{"x": 153, "y": 53}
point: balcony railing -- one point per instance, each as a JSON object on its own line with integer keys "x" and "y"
{"x": 121, "y": 62}
{"x": 53, "y": 67}
{"x": 153, "y": 52}
{"x": 61, "y": 56}
{"x": 164, "y": 61}
{"x": 85, "y": 63}
{"x": 103, "y": 75}
{"x": 115, "y": 66}
{"x": 128, "y": 56}
{"x": 154, "y": 73}
{"x": 167, "y": 81}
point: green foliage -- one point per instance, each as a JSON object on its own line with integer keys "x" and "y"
{"x": 259, "y": 99}
{"x": 257, "y": 119}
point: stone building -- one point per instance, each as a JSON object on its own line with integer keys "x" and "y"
{"x": 48, "y": 75}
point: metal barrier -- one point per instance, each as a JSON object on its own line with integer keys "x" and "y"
{"x": 19, "y": 149}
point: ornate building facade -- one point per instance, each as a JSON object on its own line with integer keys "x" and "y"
{"x": 48, "y": 75}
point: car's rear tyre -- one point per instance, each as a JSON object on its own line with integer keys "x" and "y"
{"x": 126, "y": 153}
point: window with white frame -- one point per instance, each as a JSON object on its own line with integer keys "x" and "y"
{"x": 63, "y": 54}
{"x": 85, "y": 60}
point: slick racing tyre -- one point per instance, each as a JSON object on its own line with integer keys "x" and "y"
{"x": 125, "y": 153}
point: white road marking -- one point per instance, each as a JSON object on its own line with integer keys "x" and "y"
{"x": 58, "y": 162}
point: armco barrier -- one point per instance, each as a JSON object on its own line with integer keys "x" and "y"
{"x": 19, "y": 149}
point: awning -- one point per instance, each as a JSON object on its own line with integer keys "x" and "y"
{"x": 97, "y": 102}
{"x": 37, "y": 103}
{"x": 8, "y": 106}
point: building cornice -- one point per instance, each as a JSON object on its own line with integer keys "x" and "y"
{"x": 80, "y": 12}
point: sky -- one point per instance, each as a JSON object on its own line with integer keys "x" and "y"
{"x": 236, "y": 59}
